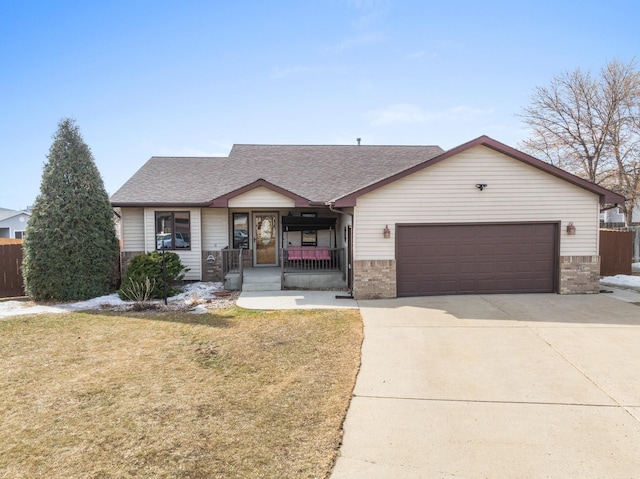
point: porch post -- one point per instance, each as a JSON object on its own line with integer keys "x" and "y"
{"x": 281, "y": 268}
{"x": 241, "y": 267}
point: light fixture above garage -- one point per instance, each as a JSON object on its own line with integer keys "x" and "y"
{"x": 481, "y": 186}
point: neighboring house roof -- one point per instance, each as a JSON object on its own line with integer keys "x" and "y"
{"x": 5, "y": 213}
{"x": 317, "y": 173}
{"x": 306, "y": 173}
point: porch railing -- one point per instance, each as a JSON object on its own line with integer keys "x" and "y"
{"x": 308, "y": 259}
{"x": 232, "y": 262}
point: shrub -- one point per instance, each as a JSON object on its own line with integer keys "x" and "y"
{"x": 148, "y": 268}
{"x": 138, "y": 292}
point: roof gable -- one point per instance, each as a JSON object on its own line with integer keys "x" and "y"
{"x": 223, "y": 201}
{"x": 606, "y": 196}
{"x": 6, "y": 214}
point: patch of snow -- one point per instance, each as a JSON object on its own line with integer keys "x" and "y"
{"x": 15, "y": 308}
{"x": 622, "y": 280}
{"x": 192, "y": 294}
{"x": 96, "y": 303}
{"x": 200, "y": 309}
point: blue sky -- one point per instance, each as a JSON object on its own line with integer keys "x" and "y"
{"x": 191, "y": 78}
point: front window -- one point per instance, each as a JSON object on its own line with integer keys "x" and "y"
{"x": 240, "y": 230}
{"x": 173, "y": 230}
{"x": 19, "y": 234}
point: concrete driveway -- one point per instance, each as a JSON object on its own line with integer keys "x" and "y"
{"x": 496, "y": 386}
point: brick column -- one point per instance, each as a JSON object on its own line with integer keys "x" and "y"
{"x": 373, "y": 279}
{"x": 212, "y": 270}
{"x": 579, "y": 274}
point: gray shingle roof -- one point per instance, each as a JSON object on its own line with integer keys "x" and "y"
{"x": 317, "y": 172}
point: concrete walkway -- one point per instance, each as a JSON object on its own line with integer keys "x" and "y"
{"x": 623, "y": 294}
{"x": 295, "y": 300}
{"x": 496, "y": 386}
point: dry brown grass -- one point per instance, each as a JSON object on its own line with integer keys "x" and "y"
{"x": 230, "y": 394}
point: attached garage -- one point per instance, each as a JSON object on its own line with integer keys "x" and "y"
{"x": 480, "y": 218}
{"x": 476, "y": 258}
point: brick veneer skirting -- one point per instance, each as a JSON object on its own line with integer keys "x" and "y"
{"x": 373, "y": 279}
{"x": 579, "y": 274}
{"x": 212, "y": 270}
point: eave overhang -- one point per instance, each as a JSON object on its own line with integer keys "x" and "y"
{"x": 156, "y": 204}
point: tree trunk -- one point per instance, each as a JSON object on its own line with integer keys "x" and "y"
{"x": 628, "y": 214}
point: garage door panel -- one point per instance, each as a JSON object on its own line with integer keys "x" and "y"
{"x": 444, "y": 250}
{"x": 485, "y": 249}
{"x": 410, "y": 269}
{"x": 504, "y": 266}
{"x": 481, "y": 258}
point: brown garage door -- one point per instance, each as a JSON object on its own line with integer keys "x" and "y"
{"x": 477, "y": 258}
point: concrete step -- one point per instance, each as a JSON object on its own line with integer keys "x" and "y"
{"x": 272, "y": 278}
{"x": 262, "y": 286}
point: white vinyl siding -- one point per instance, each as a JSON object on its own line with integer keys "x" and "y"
{"x": 261, "y": 197}
{"x": 191, "y": 259}
{"x": 13, "y": 225}
{"x": 446, "y": 193}
{"x": 215, "y": 228}
{"x": 132, "y": 220}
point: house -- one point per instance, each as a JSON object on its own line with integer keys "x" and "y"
{"x": 614, "y": 214}
{"x": 385, "y": 221}
{"x": 13, "y": 224}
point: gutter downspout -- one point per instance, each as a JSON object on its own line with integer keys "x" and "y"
{"x": 350, "y": 260}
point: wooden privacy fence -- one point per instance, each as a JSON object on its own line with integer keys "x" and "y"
{"x": 11, "y": 283}
{"x": 616, "y": 251}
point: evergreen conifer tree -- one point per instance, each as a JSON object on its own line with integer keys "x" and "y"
{"x": 70, "y": 249}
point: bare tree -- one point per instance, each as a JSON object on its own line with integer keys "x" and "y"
{"x": 623, "y": 83}
{"x": 590, "y": 127}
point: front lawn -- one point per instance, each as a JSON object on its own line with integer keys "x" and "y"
{"x": 228, "y": 394}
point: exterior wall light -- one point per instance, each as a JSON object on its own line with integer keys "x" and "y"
{"x": 571, "y": 229}
{"x": 481, "y": 186}
{"x": 386, "y": 232}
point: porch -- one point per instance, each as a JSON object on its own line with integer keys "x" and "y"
{"x": 321, "y": 268}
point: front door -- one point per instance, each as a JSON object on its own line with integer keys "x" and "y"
{"x": 265, "y": 239}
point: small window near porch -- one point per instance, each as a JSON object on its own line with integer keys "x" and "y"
{"x": 240, "y": 230}
{"x": 310, "y": 237}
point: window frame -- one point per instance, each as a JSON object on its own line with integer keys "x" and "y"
{"x": 233, "y": 230}
{"x": 172, "y": 229}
